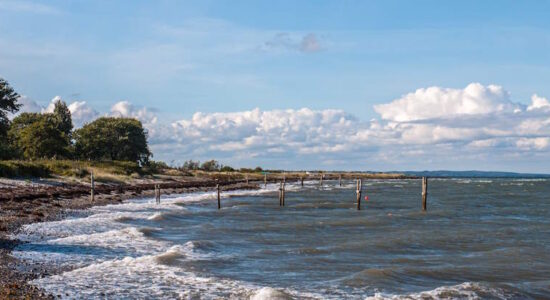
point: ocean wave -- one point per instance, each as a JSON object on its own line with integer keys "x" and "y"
{"x": 466, "y": 290}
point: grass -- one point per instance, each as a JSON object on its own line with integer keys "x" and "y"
{"x": 70, "y": 168}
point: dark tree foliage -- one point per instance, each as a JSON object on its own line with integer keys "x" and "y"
{"x": 62, "y": 116}
{"x": 8, "y": 104}
{"x": 210, "y": 166}
{"x": 191, "y": 165}
{"x": 36, "y": 136}
{"x": 112, "y": 139}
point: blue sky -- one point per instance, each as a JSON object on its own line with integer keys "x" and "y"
{"x": 166, "y": 61}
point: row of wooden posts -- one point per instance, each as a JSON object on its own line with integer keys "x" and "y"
{"x": 358, "y": 190}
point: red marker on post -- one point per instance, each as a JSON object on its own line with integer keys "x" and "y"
{"x": 366, "y": 198}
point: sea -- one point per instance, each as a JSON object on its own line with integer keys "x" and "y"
{"x": 478, "y": 239}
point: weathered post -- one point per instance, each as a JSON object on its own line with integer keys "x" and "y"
{"x": 265, "y": 180}
{"x": 219, "y": 198}
{"x": 158, "y": 194}
{"x": 92, "y": 187}
{"x": 281, "y": 194}
{"x": 321, "y": 180}
{"x": 340, "y": 179}
{"x": 283, "y": 191}
{"x": 358, "y": 192}
{"x": 302, "y": 180}
{"x": 424, "y": 193}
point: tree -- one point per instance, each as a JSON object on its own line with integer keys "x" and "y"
{"x": 36, "y": 136}
{"x": 8, "y": 104}
{"x": 62, "y": 116}
{"x": 113, "y": 139}
{"x": 210, "y": 166}
{"x": 191, "y": 165}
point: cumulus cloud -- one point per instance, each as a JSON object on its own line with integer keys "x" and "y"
{"x": 128, "y": 110}
{"x": 538, "y": 103}
{"x": 82, "y": 113}
{"x": 437, "y": 102}
{"x": 28, "y": 105}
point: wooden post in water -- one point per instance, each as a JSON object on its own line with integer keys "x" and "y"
{"x": 340, "y": 179}
{"x": 358, "y": 192}
{"x": 302, "y": 180}
{"x": 92, "y": 187}
{"x": 424, "y": 193}
{"x": 321, "y": 180}
{"x": 281, "y": 194}
{"x": 158, "y": 193}
{"x": 283, "y": 191}
{"x": 265, "y": 180}
{"x": 219, "y": 198}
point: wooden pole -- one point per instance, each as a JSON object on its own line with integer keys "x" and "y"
{"x": 283, "y": 192}
{"x": 302, "y": 180}
{"x": 158, "y": 195}
{"x": 92, "y": 187}
{"x": 340, "y": 179}
{"x": 219, "y": 198}
{"x": 321, "y": 180}
{"x": 358, "y": 192}
{"x": 265, "y": 180}
{"x": 424, "y": 193}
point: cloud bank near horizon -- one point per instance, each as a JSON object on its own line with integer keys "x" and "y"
{"x": 477, "y": 127}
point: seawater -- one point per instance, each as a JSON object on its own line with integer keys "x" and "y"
{"x": 480, "y": 238}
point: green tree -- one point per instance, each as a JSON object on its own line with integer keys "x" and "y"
{"x": 191, "y": 165}
{"x": 112, "y": 139}
{"x": 36, "y": 136}
{"x": 62, "y": 116}
{"x": 210, "y": 166}
{"x": 8, "y": 104}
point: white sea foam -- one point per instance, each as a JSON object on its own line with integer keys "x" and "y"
{"x": 149, "y": 277}
{"x": 466, "y": 290}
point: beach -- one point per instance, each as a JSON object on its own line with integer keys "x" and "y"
{"x": 41, "y": 200}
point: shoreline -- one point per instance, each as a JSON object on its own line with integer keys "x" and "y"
{"x": 25, "y": 202}
{"x": 15, "y": 274}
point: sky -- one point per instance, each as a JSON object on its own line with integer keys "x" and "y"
{"x": 336, "y": 85}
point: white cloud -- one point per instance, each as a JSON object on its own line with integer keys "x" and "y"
{"x": 128, "y": 110}
{"x": 538, "y": 103}
{"x": 28, "y": 105}
{"x": 82, "y": 113}
{"x": 540, "y": 143}
{"x": 436, "y": 102}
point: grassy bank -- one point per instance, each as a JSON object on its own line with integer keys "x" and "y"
{"x": 118, "y": 170}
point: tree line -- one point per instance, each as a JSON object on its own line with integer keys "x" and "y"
{"x": 52, "y": 136}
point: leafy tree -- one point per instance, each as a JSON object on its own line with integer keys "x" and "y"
{"x": 113, "y": 139}
{"x": 62, "y": 116}
{"x": 227, "y": 169}
{"x": 8, "y": 104}
{"x": 191, "y": 165}
{"x": 37, "y": 136}
{"x": 210, "y": 166}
